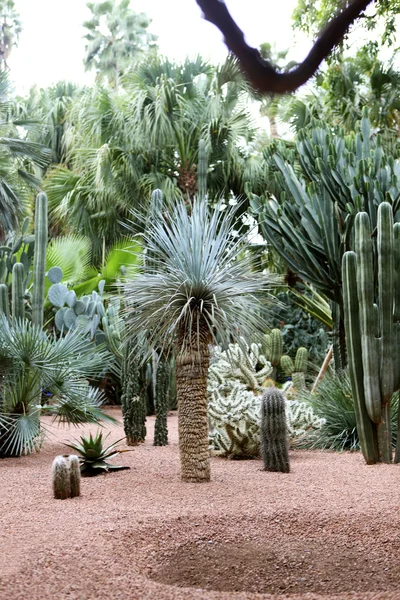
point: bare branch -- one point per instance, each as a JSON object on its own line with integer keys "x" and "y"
{"x": 261, "y": 73}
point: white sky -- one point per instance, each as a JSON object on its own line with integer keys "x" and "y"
{"x": 51, "y": 47}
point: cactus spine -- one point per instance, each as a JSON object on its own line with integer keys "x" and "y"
{"x": 17, "y": 292}
{"x": 373, "y": 331}
{"x": 273, "y": 434}
{"x": 39, "y": 260}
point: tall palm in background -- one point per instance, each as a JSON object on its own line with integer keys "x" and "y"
{"x": 10, "y": 29}
{"x": 122, "y": 145}
{"x": 21, "y": 163}
{"x": 117, "y": 36}
{"x": 198, "y": 289}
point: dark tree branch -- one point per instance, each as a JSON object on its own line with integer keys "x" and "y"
{"x": 260, "y": 73}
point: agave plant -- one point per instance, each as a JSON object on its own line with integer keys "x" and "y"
{"x": 198, "y": 288}
{"x": 30, "y": 359}
{"x": 93, "y": 456}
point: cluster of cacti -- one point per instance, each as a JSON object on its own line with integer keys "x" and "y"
{"x": 234, "y": 402}
{"x": 66, "y": 477}
{"x": 274, "y": 447}
{"x": 296, "y": 370}
{"x": 240, "y": 362}
{"x": 372, "y": 320}
{"x": 20, "y": 250}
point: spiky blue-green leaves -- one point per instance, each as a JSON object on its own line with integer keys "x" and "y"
{"x": 197, "y": 271}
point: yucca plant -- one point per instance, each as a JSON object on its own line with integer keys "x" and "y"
{"x": 198, "y": 289}
{"x": 30, "y": 360}
{"x": 93, "y": 456}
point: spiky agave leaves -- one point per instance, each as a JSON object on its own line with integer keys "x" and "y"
{"x": 93, "y": 456}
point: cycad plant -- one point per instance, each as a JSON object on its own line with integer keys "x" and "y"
{"x": 29, "y": 359}
{"x": 198, "y": 288}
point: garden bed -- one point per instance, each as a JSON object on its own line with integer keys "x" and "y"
{"x": 329, "y": 528}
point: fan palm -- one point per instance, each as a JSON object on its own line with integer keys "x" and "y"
{"x": 29, "y": 359}
{"x": 116, "y": 36}
{"x": 198, "y": 288}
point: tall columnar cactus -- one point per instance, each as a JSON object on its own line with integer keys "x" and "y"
{"x": 18, "y": 292}
{"x": 39, "y": 260}
{"x": 4, "y": 301}
{"x": 297, "y": 369}
{"x": 156, "y": 204}
{"x": 163, "y": 376}
{"x": 274, "y": 434}
{"x": 372, "y": 299}
{"x": 274, "y": 348}
{"x": 202, "y": 169}
{"x": 133, "y": 398}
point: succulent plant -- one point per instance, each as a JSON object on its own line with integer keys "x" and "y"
{"x": 93, "y": 456}
{"x": 372, "y": 320}
{"x": 274, "y": 445}
{"x": 66, "y": 477}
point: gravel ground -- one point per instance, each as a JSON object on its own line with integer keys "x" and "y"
{"x": 330, "y": 528}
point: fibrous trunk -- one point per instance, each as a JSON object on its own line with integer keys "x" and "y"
{"x": 192, "y": 364}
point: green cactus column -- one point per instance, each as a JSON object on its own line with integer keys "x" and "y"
{"x": 18, "y": 292}
{"x": 372, "y": 327}
{"x": 133, "y": 398}
{"x": 273, "y": 433}
{"x": 367, "y": 430}
{"x": 39, "y": 259}
{"x": 163, "y": 375}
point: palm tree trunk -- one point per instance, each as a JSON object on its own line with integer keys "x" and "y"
{"x": 191, "y": 387}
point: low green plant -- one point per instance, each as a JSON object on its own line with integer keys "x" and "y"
{"x": 333, "y": 401}
{"x": 31, "y": 360}
{"x": 93, "y": 456}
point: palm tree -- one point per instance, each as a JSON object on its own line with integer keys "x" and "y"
{"x": 116, "y": 37}
{"x": 21, "y": 163}
{"x": 198, "y": 288}
{"x": 30, "y": 359}
{"x": 10, "y": 28}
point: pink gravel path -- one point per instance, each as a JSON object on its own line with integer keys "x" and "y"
{"x": 331, "y": 526}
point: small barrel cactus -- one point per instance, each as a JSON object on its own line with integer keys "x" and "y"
{"x": 273, "y": 435}
{"x": 74, "y": 475}
{"x": 60, "y": 478}
{"x": 66, "y": 477}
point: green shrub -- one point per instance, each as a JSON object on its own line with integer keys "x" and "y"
{"x": 333, "y": 401}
